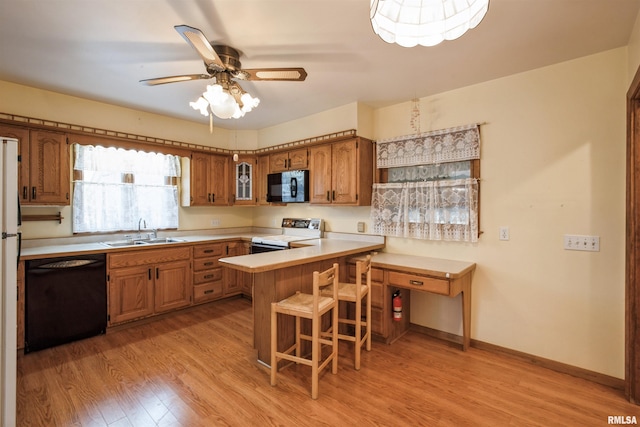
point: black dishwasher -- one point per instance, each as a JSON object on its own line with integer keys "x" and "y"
{"x": 65, "y": 300}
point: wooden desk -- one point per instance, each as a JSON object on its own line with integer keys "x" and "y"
{"x": 414, "y": 273}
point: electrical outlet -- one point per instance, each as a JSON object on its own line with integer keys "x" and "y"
{"x": 215, "y": 222}
{"x": 581, "y": 243}
{"x": 504, "y": 233}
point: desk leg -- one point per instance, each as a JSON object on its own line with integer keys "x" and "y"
{"x": 466, "y": 316}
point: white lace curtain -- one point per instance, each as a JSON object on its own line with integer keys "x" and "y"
{"x": 433, "y": 210}
{"x": 440, "y": 209}
{"x": 118, "y": 187}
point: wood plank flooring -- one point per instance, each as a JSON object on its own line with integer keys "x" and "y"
{"x": 197, "y": 368}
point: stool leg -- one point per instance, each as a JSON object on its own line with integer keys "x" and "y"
{"x": 274, "y": 344}
{"x": 315, "y": 354}
{"x": 298, "y": 346}
{"x": 369, "y": 320}
{"x": 334, "y": 338}
{"x": 358, "y": 334}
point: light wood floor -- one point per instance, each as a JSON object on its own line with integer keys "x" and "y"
{"x": 197, "y": 368}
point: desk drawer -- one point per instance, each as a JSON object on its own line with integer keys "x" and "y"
{"x": 200, "y": 264}
{"x": 421, "y": 283}
{"x": 377, "y": 275}
{"x": 207, "y": 276}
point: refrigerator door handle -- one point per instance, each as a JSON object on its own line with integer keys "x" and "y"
{"x": 19, "y": 248}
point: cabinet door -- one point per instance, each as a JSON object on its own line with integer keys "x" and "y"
{"x": 219, "y": 184}
{"x": 130, "y": 294}
{"x": 200, "y": 177}
{"x": 261, "y": 180}
{"x": 22, "y": 135}
{"x": 344, "y": 173}
{"x": 233, "y": 278}
{"x": 320, "y": 174}
{"x": 243, "y": 177}
{"x": 49, "y": 168}
{"x": 298, "y": 159}
{"x": 246, "y": 282}
{"x": 278, "y": 162}
{"x": 172, "y": 285}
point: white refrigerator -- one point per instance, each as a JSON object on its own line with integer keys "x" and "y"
{"x": 8, "y": 295}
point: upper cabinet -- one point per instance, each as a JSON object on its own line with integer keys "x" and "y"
{"x": 43, "y": 170}
{"x": 243, "y": 179}
{"x": 262, "y": 170}
{"x": 341, "y": 173}
{"x": 206, "y": 180}
{"x": 289, "y": 160}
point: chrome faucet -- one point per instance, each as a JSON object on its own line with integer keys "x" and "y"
{"x": 141, "y": 221}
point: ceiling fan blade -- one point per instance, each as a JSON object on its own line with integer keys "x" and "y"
{"x": 282, "y": 74}
{"x": 175, "y": 79}
{"x": 195, "y": 38}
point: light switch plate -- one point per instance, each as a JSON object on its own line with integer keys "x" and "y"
{"x": 361, "y": 227}
{"x": 574, "y": 242}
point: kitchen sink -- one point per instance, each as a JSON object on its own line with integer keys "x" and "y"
{"x": 163, "y": 240}
{"x": 127, "y": 243}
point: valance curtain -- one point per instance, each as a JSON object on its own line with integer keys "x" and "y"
{"x": 119, "y": 187}
{"x": 427, "y": 207}
{"x": 446, "y": 145}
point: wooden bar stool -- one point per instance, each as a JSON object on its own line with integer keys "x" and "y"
{"x": 302, "y": 305}
{"x": 354, "y": 293}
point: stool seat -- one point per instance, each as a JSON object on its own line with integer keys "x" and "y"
{"x": 346, "y": 291}
{"x": 304, "y": 303}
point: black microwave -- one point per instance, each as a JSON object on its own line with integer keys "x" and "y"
{"x": 288, "y": 187}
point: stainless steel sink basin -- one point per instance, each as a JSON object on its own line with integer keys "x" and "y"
{"x": 156, "y": 241}
{"x": 163, "y": 240}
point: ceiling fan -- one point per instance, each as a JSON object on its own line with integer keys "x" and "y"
{"x": 223, "y": 62}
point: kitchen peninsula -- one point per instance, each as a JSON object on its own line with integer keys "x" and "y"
{"x": 277, "y": 275}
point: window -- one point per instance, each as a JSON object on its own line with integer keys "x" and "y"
{"x": 114, "y": 188}
{"x": 431, "y": 189}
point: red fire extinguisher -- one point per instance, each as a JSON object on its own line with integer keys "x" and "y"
{"x": 397, "y": 306}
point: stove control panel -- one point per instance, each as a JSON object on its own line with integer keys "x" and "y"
{"x": 304, "y": 223}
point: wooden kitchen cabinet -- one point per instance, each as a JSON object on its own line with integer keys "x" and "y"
{"x": 43, "y": 170}
{"x": 341, "y": 173}
{"x": 243, "y": 175}
{"x": 207, "y": 180}
{"x": 262, "y": 170}
{"x": 288, "y": 160}
{"x": 148, "y": 282}
{"x": 235, "y": 281}
{"x": 207, "y": 272}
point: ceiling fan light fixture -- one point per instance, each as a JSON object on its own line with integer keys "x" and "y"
{"x": 425, "y": 22}
{"x": 225, "y": 99}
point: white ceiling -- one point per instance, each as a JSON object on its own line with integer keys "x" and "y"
{"x": 100, "y": 49}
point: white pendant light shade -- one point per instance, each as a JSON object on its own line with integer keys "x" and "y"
{"x": 425, "y": 22}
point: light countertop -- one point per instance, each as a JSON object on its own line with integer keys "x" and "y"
{"x": 437, "y": 267}
{"x": 316, "y": 250}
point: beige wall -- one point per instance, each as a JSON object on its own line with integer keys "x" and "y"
{"x": 553, "y": 163}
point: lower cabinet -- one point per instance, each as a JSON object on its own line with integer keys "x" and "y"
{"x": 236, "y": 282}
{"x": 148, "y": 282}
{"x": 207, "y": 273}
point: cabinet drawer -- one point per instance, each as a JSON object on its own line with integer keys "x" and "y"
{"x": 146, "y": 256}
{"x": 377, "y": 295}
{"x": 207, "y": 276}
{"x": 422, "y": 283}
{"x": 200, "y": 264}
{"x": 201, "y": 251}
{"x": 207, "y": 292}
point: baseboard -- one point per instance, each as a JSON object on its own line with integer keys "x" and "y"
{"x": 564, "y": 368}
